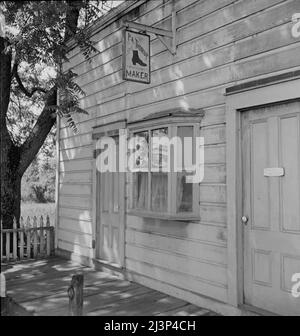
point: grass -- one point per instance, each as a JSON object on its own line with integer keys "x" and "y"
{"x": 38, "y": 209}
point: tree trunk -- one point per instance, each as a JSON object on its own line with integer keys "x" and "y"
{"x": 10, "y": 155}
{"x": 10, "y": 185}
{"x": 15, "y": 160}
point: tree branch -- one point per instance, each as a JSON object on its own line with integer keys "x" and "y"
{"x": 37, "y": 136}
{"x": 5, "y": 87}
{"x": 46, "y": 120}
{"x": 21, "y": 85}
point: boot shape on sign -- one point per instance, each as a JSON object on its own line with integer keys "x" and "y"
{"x": 136, "y": 59}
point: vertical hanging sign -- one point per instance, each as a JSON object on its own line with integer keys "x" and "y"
{"x": 136, "y": 57}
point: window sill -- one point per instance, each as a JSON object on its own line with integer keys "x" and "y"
{"x": 165, "y": 216}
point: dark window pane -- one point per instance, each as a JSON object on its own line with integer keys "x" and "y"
{"x": 184, "y": 194}
{"x": 159, "y": 192}
{"x": 159, "y": 157}
{"x": 141, "y": 191}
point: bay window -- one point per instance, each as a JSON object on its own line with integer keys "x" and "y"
{"x": 163, "y": 151}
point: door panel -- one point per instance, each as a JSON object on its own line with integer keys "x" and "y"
{"x": 111, "y": 214}
{"x": 271, "y": 139}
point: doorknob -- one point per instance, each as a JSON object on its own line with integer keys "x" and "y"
{"x": 245, "y": 219}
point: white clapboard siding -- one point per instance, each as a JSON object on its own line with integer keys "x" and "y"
{"x": 215, "y": 153}
{"x": 213, "y": 193}
{"x": 75, "y": 248}
{"x": 183, "y": 230}
{"x": 75, "y": 165}
{"x": 211, "y": 212}
{"x": 220, "y": 43}
{"x": 75, "y": 225}
{"x": 172, "y": 262}
{"x": 73, "y": 177}
{"x": 75, "y": 202}
{"x": 83, "y": 239}
{"x": 214, "y": 173}
{"x": 82, "y": 152}
{"x": 75, "y": 189}
{"x": 75, "y": 214}
{"x": 178, "y": 279}
{"x": 204, "y": 251}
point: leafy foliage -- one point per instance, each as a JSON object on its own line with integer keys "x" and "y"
{"x": 39, "y": 34}
{"x": 38, "y": 183}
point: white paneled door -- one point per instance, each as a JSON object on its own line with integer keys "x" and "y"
{"x": 110, "y": 186}
{"x": 271, "y": 206}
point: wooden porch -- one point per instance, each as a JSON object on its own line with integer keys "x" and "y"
{"x": 40, "y": 286}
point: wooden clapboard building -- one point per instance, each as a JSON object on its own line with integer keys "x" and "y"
{"x": 232, "y": 242}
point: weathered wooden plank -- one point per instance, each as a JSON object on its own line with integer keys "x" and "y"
{"x": 213, "y": 116}
{"x": 130, "y": 306}
{"x": 35, "y": 238}
{"x": 69, "y": 177}
{"x": 238, "y": 10}
{"x": 205, "y": 98}
{"x": 49, "y": 236}
{"x": 79, "y": 202}
{"x": 91, "y": 302}
{"x": 28, "y": 238}
{"x": 212, "y": 193}
{"x": 174, "y": 84}
{"x": 40, "y": 271}
{"x": 45, "y": 291}
{"x": 183, "y": 230}
{"x": 175, "y": 263}
{"x": 213, "y": 134}
{"x": 76, "y": 225}
{"x": 82, "y": 152}
{"x": 268, "y": 63}
{"x": 137, "y": 87}
{"x": 42, "y": 236}
{"x": 162, "y": 305}
{"x": 77, "y": 214}
{"x": 270, "y": 39}
{"x": 76, "y": 165}
{"x": 214, "y": 154}
{"x": 213, "y": 213}
{"x": 7, "y": 246}
{"x": 15, "y": 241}
{"x": 84, "y": 125}
{"x": 186, "y": 310}
{"x": 186, "y": 16}
{"x": 215, "y": 173}
{"x": 75, "y": 189}
{"x": 21, "y": 237}
{"x": 148, "y": 14}
{"x": 76, "y": 141}
{"x": 202, "y": 251}
{"x": 81, "y": 238}
{"x": 143, "y": 15}
{"x": 75, "y": 248}
{"x": 179, "y": 280}
{"x": 118, "y": 297}
{"x": 209, "y": 23}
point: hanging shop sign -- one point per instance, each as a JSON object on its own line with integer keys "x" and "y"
{"x": 136, "y": 57}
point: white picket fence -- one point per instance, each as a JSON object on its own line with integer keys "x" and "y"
{"x": 32, "y": 240}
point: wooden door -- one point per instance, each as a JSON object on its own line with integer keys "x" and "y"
{"x": 111, "y": 214}
{"x": 271, "y": 204}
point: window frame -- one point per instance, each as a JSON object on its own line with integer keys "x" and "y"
{"x": 171, "y": 123}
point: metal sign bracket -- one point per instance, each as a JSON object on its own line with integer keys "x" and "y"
{"x": 166, "y": 37}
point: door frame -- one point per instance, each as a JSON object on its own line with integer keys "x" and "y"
{"x": 109, "y": 129}
{"x": 266, "y": 91}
